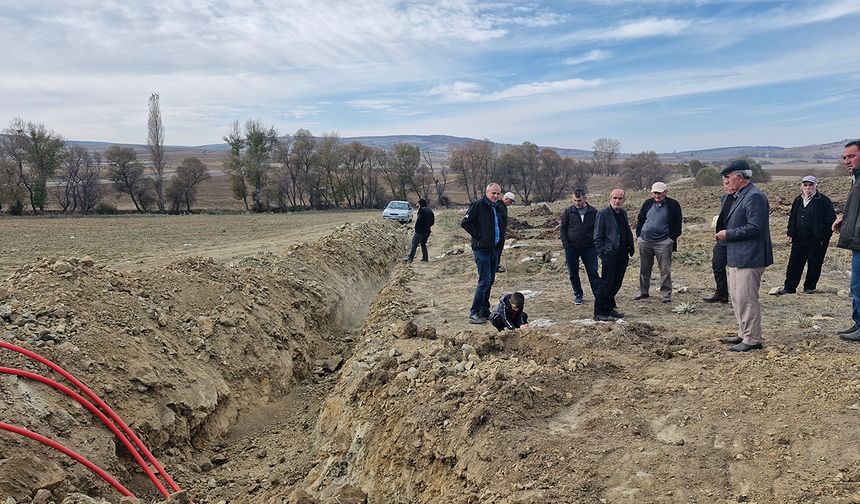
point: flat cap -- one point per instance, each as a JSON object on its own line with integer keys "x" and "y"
{"x": 736, "y": 165}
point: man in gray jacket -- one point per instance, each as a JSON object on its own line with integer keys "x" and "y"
{"x": 848, "y": 227}
{"x": 613, "y": 240}
{"x": 749, "y": 252}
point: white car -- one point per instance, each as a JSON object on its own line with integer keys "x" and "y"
{"x": 398, "y": 210}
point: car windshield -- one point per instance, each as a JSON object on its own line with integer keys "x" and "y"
{"x": 398, "y": 205}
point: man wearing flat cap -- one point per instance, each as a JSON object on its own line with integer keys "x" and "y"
{"x": 657, "y": 230}
{"x": 749, "y": 252}
{"x": 809, "y": 231}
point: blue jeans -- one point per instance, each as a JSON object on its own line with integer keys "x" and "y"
{"x": 589, "y": 260}
{"x": 487, "y": 262}
{"x": 855, "y": 286}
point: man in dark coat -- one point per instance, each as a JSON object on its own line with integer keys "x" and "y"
{"x": 486, "y": 223}
{"x": 614, "y": 243}
{"x": 718, "y": 256}
{"x": 809, "y": 231}
{"x": 848, "y": 227}
{"x": 749, "y": 251}
{"x": 423, "y": 223}
{"x": 577, "y": 238}
{"x": 657, "y": 230}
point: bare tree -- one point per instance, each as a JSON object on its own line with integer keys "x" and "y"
{"x": 10, "y": 187}
{"x": 554, "y": 175}
{"x": 182, "y": 190}
{"x": 260, "y": 142}
{"x": 604, "y": 155}
{"x": 304, "y": 163}
{"x": 330, "y": 156}
{"x": 233, "y": 163}
{"x": 127, "y": 176}
{"x": 641, "y": 170}
{"x": 37, "y": 153}
{"x": 155, "y": 143}
{"x": 89, "y": 183}
{"x": 66, "y": 191}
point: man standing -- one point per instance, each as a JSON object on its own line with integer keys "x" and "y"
{"x": 508, "y": 200}
{"x": 848, "y": 227}
{"x": 577, "y": 238}
{"x": 614, "y": 243}
{"x": 485, "y": 222}
{"x": 423, "y": 223}
{"x": 749, "y": 251}
{"x": 809, "y": 230}
{"x": 718, "y": 256}
{"x": 657, "y": 230}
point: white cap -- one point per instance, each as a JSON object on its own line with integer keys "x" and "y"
{"x": 659, "y": 187}
{"x": 511, "y": 196}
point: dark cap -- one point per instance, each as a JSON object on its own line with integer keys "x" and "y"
{"x": 422, "y": 202}
{"x": 736, "y": 165}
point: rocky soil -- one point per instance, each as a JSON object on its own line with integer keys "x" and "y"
{"x": 335, "y": 373}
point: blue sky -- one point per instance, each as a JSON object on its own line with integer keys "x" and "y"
{"x": 663, "y": 75}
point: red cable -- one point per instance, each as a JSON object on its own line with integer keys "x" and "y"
{"x": 89, "y": 393}
{"x": 78, "y": 457}
{"x": 110, "y": 425}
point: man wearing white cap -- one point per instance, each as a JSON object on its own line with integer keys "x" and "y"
{"x": 809, "y": 231}
{"x": 657, "y": 230}
{"x": 508, "y": 199}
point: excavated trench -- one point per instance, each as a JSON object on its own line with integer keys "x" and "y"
{"x": 192, "y": 356}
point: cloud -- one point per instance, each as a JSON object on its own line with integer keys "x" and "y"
{"x": 301, "y": 112}
{"x": 472, "y": 92}
{"x": 631, "y": 30}
{"x": 593, "y": 55}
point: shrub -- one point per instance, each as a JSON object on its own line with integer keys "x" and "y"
{"x": 707, "y": 177}
{"x": 105, "y": 208}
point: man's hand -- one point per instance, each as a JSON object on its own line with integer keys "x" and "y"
{"x": 837, "y": 224}
{"x": 524, "y": 326}
{"x": 720, "y": 236}
{"x": 788, "y": 238}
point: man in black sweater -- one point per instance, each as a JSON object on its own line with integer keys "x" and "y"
{"x": 486, "y": 223}
{"x": 423, "y": 223}
{"x": 577, "y": 238}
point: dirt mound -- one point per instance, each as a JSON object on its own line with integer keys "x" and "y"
{"x": 180, "y": 352}
{"x": 515, "y": 224}
{"x": 541, "y": 210}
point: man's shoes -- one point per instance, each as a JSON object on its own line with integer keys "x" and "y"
{"x": 604, "y": 318}
{"x": 783, "y": 290}
{"x": 639, "y": 296}
{"x": 809, "y": 291}
{"x": 475, "y": 319}
{"x": 577, "y": 300}
{"x": 850, "y": 330}
{"x": 716, "y": 298}
{"x": 501, "y": 269}
{"x": 407, "y": 259}
{"x": 667, "y": 300}
{"x": 616, "y": 313}
{"x": 743, "y": 347}
{"x": 850, "y": 336}
{"x": 733, "y": 340}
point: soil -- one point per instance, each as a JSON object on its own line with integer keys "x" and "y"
{"x": 331, "y": 371}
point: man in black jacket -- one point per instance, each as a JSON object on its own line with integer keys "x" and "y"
{"x": 719, "y": 256}
{"x": 423, "y": 223}
{"x": 486, "y": 224}
{"x": 577, "y": 238}
{"x": 809, "y": 231}
{"x": 657, "y": 230}
{"x": 614, "y": 243}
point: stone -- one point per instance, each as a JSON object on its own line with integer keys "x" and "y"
{"x": 4, "y": 294}
{"x": 206, "y": 326}
{"x": 332, "y": 364}
{"x": 61, "y": 267}
{"x": 468, "y": 350}
{"x": 412, "y": 373}
{"x": 348, "y": 494}
{"x": 42, "y": 496}
{"x": 6, "y": 312}
{"x": 87, "y": 262}
{"x": 299, "y": 496}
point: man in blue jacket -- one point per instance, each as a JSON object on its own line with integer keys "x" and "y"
{"x": 614, "y": 243}
{"x": 577, "y": 238}
{"x": 749, "y": 252}
{"x": 486, "y": 223}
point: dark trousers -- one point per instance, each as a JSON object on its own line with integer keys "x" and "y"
{"x": 419, "y": 239}
{"x": 611, "y": 277}
{"x": 805, "y": 250}
{"x": 487, "y": 262}
{"x": 719, "y": 259}
{"x": 588, "y": 255}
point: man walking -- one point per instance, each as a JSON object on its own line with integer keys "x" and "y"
{"x": 657, "y": 230}
{"x": 848, "y": 227}
{"x": 614, "y": 243}
{"x": 486, "y": 223}
{"x": 718, "y": 255}
{"x": 577, "y": 238}
{"x": 508, "y": 199}
{"x": 809, "y": 230}
{"x": 423, "y": 223}
{"x": 749, "y": 251}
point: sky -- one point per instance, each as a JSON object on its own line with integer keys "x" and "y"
{"x": 661, "y": 75}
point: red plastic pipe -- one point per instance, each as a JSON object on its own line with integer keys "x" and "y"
{"x": 105, "y": 420}
{"x": 101, "y": 404}
{"x": 76, "y": 456}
